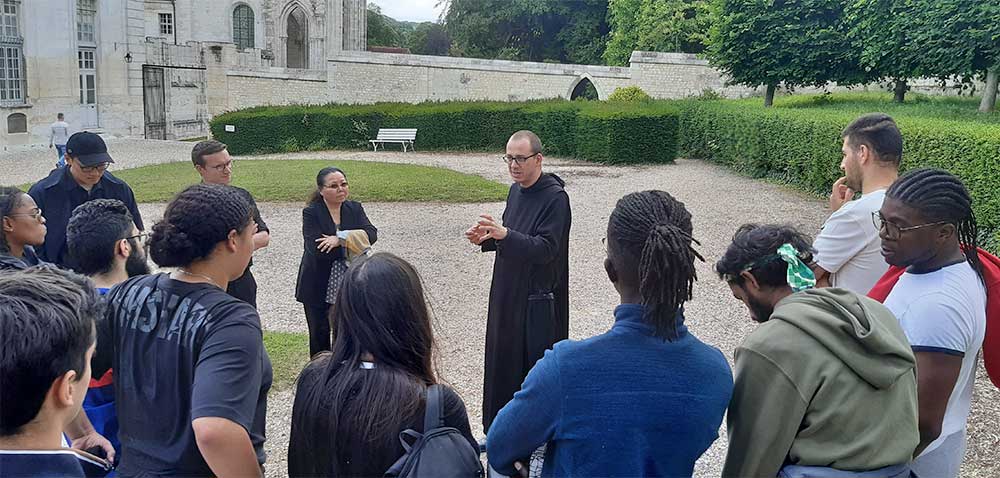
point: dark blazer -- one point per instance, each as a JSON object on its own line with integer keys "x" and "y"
{"x": 314, "y": 270}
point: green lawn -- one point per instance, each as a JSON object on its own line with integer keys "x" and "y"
{"x": 289, "y": 354}
{"x": 293, "y": 181}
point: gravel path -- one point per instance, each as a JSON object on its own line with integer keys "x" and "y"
{"x": 457, "y": 277}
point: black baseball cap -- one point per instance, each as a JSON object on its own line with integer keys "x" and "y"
{"x": 88, "y": 148}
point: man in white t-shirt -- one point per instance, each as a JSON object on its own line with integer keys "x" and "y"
{"x": 59, "y": 136}
{"x": 848, "y": 252}
{"x": 927, "y": 226}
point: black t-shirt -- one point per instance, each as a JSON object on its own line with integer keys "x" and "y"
{"x": 183, "y": 351}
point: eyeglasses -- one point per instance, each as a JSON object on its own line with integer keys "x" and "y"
{"x": 335, "y": 186}
{"x": 34, "y": 214}
{"x": 142, "y": 238}
{"x": 222, "y": 167}
{"x": 519, "y": 160}
{"x": 893, "y": 231}
{"x": 99, "y": 168}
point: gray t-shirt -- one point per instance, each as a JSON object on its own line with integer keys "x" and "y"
{"x": 59, "y": 133}
{"x": 849, "y": 247}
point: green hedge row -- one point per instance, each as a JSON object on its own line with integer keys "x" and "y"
{"x": 801, "y": 146}
{"x": 601, "y": 132}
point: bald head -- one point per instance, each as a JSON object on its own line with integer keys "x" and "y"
{"x": 531, "y": 138}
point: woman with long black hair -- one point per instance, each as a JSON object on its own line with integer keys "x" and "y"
{"x": 351, "y": 404}
{"x": 324, "y": 257}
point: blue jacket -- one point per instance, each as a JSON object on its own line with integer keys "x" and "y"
{"x": 59, "y": 194}
{"x": 624, "y": 403}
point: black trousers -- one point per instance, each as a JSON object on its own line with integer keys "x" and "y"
{"x": 244, "y": 288}
{"x": 318, "y": 319}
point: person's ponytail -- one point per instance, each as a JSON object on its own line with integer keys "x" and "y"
{"x": 667, "y": 275}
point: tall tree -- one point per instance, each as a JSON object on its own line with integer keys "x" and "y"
{"x": 382, "y": 30}
{"x": 960, "y": 38}
{"x": 883, "y": 31}
{"x": 794, "y": 42}
{"x": 532, "y": 30}
{"x": 656, "y": 25}
{"x": 429, "y": 39}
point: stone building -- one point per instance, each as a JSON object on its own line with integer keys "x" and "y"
{"x": 139, "y": 67}
{"x": 160, "y": 69}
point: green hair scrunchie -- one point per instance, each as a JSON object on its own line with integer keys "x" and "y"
{"x": 800, "y": 277}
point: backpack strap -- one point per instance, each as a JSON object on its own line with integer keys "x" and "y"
{"x": 434, "y": 408}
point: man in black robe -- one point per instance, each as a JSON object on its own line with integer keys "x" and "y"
{"x": 529, "y": 298}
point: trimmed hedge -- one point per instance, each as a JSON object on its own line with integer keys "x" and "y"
{"x": 801, "y": 146}
{"x": 601, "y": 132}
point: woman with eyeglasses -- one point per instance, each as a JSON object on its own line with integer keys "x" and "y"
{"x": 327, "y": 217}
{"x": 22, "y": 227}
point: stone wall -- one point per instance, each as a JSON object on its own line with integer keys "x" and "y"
{"x": 374, "y": 77}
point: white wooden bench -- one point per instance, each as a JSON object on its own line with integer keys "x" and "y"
{"x": 402, "y": 136}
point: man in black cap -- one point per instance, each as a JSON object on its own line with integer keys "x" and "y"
{"x": 85, "y": 177}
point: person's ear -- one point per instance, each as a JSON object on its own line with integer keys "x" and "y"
{"x": 124, "y": 248}
{"x": 62, "y": 389}
{"x": 946, "y": 232}
{"x": 864, "y": 154}
{"x": 609, "y": 268}
{"x": 749, "y": 282}
{"x": 232, "y": 242}
{"x": 8, "y": 225}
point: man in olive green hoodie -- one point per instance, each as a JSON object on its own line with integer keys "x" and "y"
{"x": 826, "y": 384}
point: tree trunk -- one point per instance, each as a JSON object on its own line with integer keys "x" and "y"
{"x": 899, "y": 91}
{"x": 990, "y": 93}
{"x": 769, "y": 96}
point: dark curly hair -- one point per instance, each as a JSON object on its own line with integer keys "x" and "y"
{"x": 655, "y": 229}
{"x": 755, "y": 248}
{"x": 94, "y": 229}
{"x": 195, "y": 221}
{"x": 10, "y": 199}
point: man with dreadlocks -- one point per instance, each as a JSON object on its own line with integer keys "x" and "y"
{"x": 937, "y": 289}
{"x": 645, "y": 398}
{"x": 825, "y": 385}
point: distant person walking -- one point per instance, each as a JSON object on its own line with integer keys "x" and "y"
{"x": 59, "y": 136}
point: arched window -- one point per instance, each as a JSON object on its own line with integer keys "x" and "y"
{"x": 243, "y": 25}
{"x": 17, "y": 123}
{"x": 297, "y": 49}
{"x": 585, "y": 90}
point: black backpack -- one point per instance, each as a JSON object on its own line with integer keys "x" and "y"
{"x": 440, "y": 452}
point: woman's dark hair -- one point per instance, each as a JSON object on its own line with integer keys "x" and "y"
{"x": 10, "y": 199}
{"x": 315, "y": 196}
{"x": 755, "y": 247}
{"x": 655, "y": 229}
{"x": 380, "y": 310}
{"x": 197, "y": 219}
{"x": 941, "y": 197}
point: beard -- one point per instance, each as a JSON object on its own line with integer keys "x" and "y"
{"x": 136, "y": 264}
{"x": 759, "y": 311}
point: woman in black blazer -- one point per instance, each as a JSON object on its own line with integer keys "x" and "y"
{"x": 327, "y": 212}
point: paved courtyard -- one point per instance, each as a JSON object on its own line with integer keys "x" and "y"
{"x": 457, "y": 276}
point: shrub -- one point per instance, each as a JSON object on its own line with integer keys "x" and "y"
{"x": 595, "y": 131}
{"x": 801, "y": 146}
{"x": 629, "y": 94}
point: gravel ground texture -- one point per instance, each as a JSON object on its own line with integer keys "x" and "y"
{"x": 457, "y": 276}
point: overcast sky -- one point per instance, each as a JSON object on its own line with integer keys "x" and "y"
{"x": 409, "y": 10}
